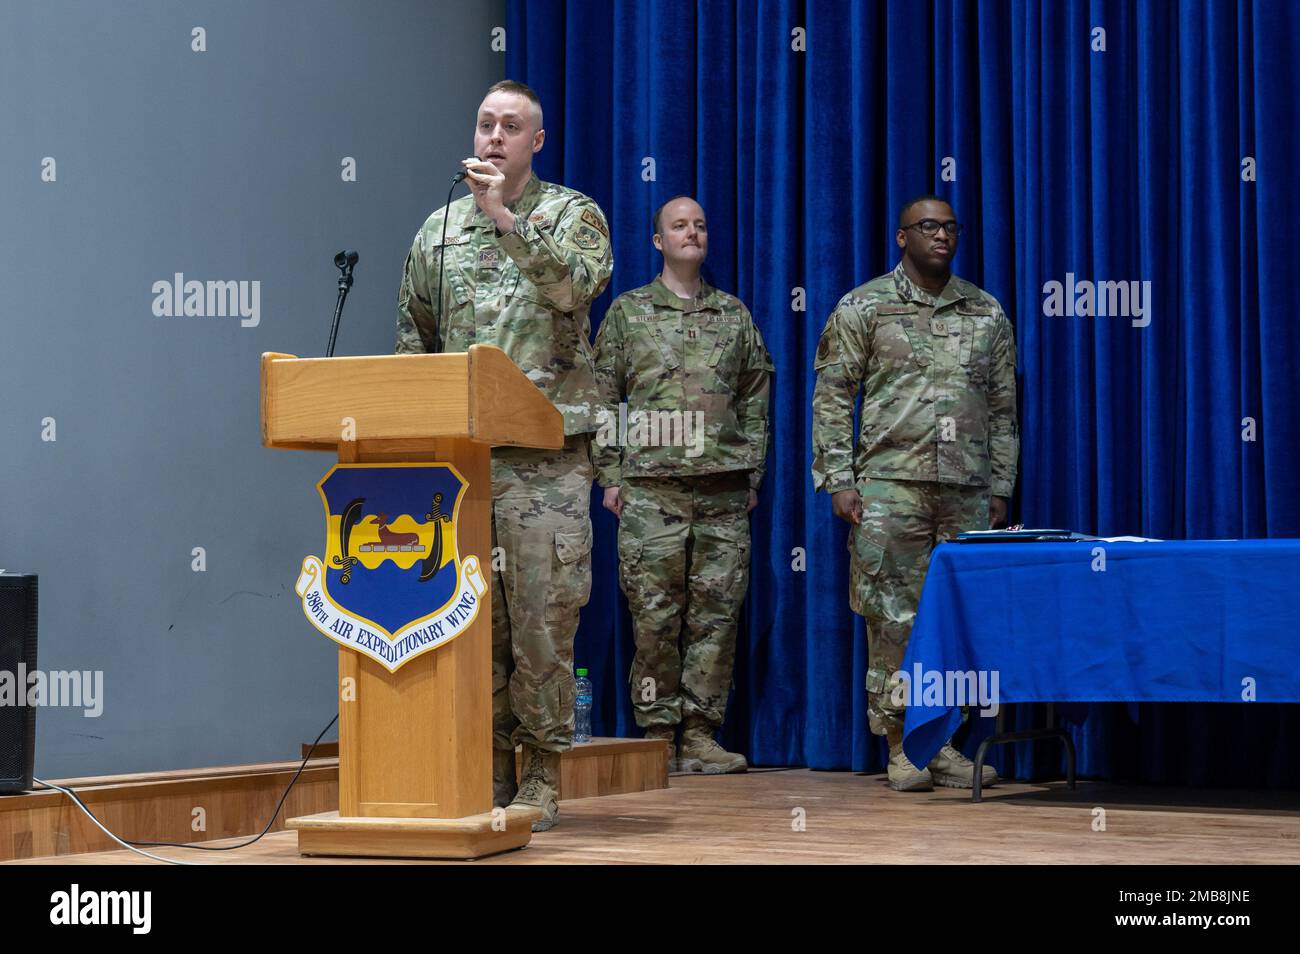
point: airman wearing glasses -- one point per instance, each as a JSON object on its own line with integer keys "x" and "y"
{"x": 934, "y": 357}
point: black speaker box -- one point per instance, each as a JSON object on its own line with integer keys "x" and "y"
{"x": 17, "y": 655}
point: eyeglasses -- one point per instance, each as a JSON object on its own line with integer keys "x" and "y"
{"x": 930, "y": 227}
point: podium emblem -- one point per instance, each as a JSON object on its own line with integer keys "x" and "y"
{"x": 391, "y": 584}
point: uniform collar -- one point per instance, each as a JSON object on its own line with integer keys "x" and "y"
{"x": 665, "y": 297}
{"x": 910, "y": 291}
{"x": 475, "y": 218}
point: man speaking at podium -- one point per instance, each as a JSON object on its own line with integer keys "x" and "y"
{"x": 521, "y": 261}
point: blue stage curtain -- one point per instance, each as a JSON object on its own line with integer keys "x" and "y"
{"x": 1122, "y": 164}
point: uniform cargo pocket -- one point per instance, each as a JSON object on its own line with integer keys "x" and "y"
{"x": 740, "y": 576}
{"x": 572, "y": 545}
{"x": 723, "y": 343}
{"x": 866, "y": 568}
{"x": 457, "y": 285}
{"x": 554, "y": 705}
{"x": 669, "y": 357}
{"x": 894, "y": 341}
{"x": 629, "y": 557}
{"x": 868, "y": 555}
{"x": 571, "y": 573}
{"x": 629, "y": 549}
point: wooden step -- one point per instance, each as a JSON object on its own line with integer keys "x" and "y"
{"x": 603, "y": 766}
{"x": 611, "y": 767}
{"x": 194, "y": 805}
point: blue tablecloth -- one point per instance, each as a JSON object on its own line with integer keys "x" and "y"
{"x": 1174, "y": 621}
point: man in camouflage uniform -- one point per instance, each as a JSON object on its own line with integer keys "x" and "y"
{"x": 681, "y": 463}
{"x": 935, "y": 358}
{"x": 523, "y": 260}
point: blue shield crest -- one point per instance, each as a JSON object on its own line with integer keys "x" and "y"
{"x": 392, "y": 584}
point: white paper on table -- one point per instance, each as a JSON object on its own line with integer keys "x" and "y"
{"x": 1027, "y": 531}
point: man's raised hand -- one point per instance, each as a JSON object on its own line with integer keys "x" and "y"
{"x": 487, "y": 184}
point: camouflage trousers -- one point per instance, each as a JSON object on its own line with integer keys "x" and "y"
{"x": 683, "y": 548}
{"x": 541, "y": 521}
{"x": 902, "y": 522}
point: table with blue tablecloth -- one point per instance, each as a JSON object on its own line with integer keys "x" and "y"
{"x": 1095, "y": 621}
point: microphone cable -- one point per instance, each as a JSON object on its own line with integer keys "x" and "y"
{"x": 137, "y": 846}
{"x": 442, "y": 261}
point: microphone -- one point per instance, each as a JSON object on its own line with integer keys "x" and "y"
{"x": 459, "y": 177}
{"x": 344, "y": 261}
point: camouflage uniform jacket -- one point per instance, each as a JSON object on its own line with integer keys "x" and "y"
{"x": 938, "y": 375}
{"x": 699, "y": 360}
{"x": 528, "y": 292}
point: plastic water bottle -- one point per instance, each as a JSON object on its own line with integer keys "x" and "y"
{"x": 582, "y": 709}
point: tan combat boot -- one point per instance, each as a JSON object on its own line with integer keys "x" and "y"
{"x": 903, "y": 775}
{"x": 539, "y": 787}
{"x": 952, "y": 769}
{"x": 668, "y": 734}
{"x": 504, "y": 785}
{"x": 700, "y": 753}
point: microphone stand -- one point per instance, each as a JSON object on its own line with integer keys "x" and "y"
{"x": 344, "y": 261}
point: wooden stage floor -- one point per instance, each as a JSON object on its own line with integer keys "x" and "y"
{"x": 852, "y": 819}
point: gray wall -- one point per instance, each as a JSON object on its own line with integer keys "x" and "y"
{"x": 223, "y": 165}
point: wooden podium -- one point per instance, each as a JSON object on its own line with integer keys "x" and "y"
{"x": 415, "y": 745}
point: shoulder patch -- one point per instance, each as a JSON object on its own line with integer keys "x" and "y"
{"x": 587, "y": 237}
{"x": 540, "y": 219}
{"x": 592, "y": 219}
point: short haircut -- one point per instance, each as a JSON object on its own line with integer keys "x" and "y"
{"x": 522, "y": 89}
{"x": 928, "y": 197}
{"x": 657, "y": 221}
